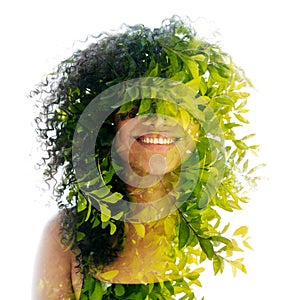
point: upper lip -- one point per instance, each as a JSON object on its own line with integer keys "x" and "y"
{"x": 163, "y": 135}
{"x": 157, "y": 141}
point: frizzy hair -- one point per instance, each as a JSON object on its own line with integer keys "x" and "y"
{"x": 64, "y": 94}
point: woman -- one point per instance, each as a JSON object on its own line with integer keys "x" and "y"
{"x": 133, "y": 128}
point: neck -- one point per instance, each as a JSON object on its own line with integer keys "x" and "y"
{"x": 154, "y": 201}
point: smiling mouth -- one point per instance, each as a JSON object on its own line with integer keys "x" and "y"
{"x": 157, "y": 140}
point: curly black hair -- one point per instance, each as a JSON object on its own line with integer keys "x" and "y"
{"x": 112, "y": 58}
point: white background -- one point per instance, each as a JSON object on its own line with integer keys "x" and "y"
{"x": 263, "y": 38}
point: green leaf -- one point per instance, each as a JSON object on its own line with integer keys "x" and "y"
{"x": 100, "y": 193}
{"x": 119, "y": 290}
{"x": 88, "y": 211}
{"x": 184, "y": 233}
{"x": 153, "y": 69}
{"x": 169, "y": 286}
{"x": 145, "y": 106}
{"x": 231, "y": 125}
{"x": 82, "y": 203}
{"x": 218, "y": 72}
{"x": 194, "y": 83}
{"x": 96, "y": 222}
{"x": 192, "y": 275}
{"x": 207, "y": 247}
{"x": 173, "y": 61}
{"x": 98, "y": 292}
{"x": 248, "y": 136}
{"x": 221, "y": 239}
{"x": 256, "y": 168}
{"x": 245, "y": 166}
{"x": 226, "y": 100}
{"x": 240, "y": 144}
{"x": 113, "y": 198}
{"x": 192, "y": 66}
{"x": 79, "y": 236}
{"x": 242, "y": 105}
{"x": 218, "y": 264}
{"x": 199, "y": 57}
{"x": 203, "y": 86}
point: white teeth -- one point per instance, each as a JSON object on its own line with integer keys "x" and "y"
{"x": 157, "y": 141}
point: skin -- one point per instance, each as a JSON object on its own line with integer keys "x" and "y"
{"x": 145, "y": 261}
{"x": 155, "y": 158}
{"x": 55, "y": 275}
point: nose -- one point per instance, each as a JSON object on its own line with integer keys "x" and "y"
{"x": 159, "y": 120}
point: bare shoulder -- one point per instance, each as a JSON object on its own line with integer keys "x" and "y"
{"x": 52, "y": 231}
{"x": 53, "y": 269}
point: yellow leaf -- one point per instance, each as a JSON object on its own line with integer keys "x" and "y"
{"x": 243, "y": 230}
{"x": 237, "y": 264}
{"x": 233, "y": 268}
{"x": 109, "y": 275}
{"x": 199, "y": 270}
{"x": 225, "y": 228}
{"x": 118, "y": 215}
{"x": 169, "y": 227}
{"x": 240, "y": 144}
{"x": 104, "y": 218}
{"x": 199, "y": 57}
{"x": 113, "y": 228}
{"x": 140, "y": 229}
{"x": 192, "y": 275}
{"x": 193, "y": 67}
{"x": 194, "y": 83}
{"x": 196, "y": 282}
{"x": 246, "y": 244}
{"x": 236, "y": 246}
{"x": 241, "y": 119}
{"x": 105, "y": 212}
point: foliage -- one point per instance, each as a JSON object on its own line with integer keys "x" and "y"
{"x": 96, "y": 290}
{"x": 174, "y": 52}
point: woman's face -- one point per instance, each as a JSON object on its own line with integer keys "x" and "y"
{"x": 154, "y": 144}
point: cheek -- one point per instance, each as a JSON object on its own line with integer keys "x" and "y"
{"x": 123, "y": 140}
{"x": 122, "y": 146}
{"x": 174, "y": 160}
{"x": 139, "y": 161}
